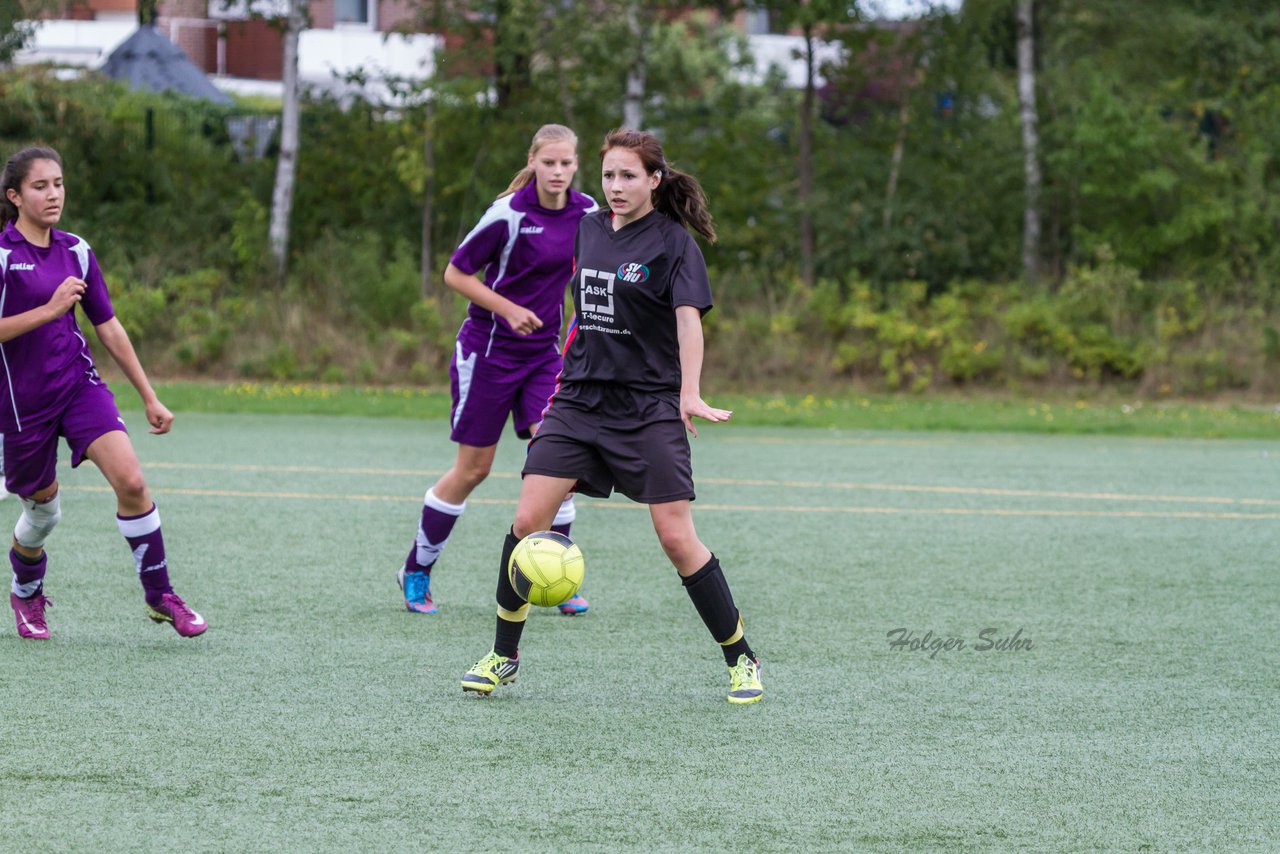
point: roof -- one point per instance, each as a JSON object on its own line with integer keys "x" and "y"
{"x": 148, "y": 60}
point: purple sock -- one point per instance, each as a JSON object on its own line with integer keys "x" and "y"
{"x": 562, "y": 529}
{"x": 438, "y": 519}
{"x": 28, "y": 578}
{"x": 144, "y": 537}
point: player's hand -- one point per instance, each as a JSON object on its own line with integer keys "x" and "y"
{"x": 521, "y": 320}
{"x": 159, "y": 417}
{"x": 66, "y": 296}
{"x": 696, "y": 406}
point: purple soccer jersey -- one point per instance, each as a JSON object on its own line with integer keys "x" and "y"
{"x": 526, "y": 253}
{"x": 41, "y": 370}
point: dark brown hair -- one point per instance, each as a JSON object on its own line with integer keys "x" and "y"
{"x": 15, "y": 172}
{"x": 678, "y": 194}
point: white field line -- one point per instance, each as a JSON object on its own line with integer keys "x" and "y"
{"x": 774, "y": 484}
{"x": 737, "y": 508}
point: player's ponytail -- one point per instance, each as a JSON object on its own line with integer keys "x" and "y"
{"x": 682, "y": 198}
{"x": 546, "y": 134}
{"x": 678, "y": 194}
{"x": 15, "y": 172}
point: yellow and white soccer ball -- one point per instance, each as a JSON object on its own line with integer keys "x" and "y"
{"x": 546, "y": 568}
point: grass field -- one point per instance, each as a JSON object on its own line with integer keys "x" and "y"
{"x": 1102, "y": 415}
{"x": 316, "y": 714}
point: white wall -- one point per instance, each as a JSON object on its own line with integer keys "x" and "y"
{"x": 82, "y": 43}
{"x": 787, "y": 53}
{"x": 324, "y": 56}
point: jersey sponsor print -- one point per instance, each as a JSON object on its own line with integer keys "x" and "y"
{"x": 627, "y": 286}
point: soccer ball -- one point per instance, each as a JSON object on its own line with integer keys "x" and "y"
{"x": 546, "y": 568}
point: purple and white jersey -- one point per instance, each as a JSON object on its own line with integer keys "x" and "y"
{"x": 526, "y": 253}
{"x": 40, "y": 369}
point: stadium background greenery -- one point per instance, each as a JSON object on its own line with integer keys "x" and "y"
{"x": 1158, "y": 146}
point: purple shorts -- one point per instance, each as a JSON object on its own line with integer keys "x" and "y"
{"x": 31, "y": 454}
{"x": 489, "y": 388}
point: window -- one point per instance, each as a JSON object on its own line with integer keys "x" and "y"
{"x": 757, "y": 21}
{"x": 357, "y": 12}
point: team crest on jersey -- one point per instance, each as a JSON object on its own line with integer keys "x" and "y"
{"x": 633, "y": 272}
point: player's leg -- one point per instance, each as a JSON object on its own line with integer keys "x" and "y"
{"x": 138, "y": 520}
{"x": 705, "y": 583}
{"x": 32, "y": 457}
{"x": 563, "y": 522}
{"x": 531, "y": 405}
{"x": 484, "y": 385}
{"x": 540, "y": 495}
{"x": 442, "y": 506}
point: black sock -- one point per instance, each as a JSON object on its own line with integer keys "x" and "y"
{"x": 506, "y": 640}
{"x": 710, "y": 594}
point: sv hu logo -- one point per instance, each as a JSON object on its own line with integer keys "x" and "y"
{"x": 633, "y": 272}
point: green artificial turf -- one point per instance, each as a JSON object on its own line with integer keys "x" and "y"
{"x": 317, "y": 714}
{"x": 852, "y": 411}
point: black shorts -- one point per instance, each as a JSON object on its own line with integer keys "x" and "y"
{"x": 649, "y": 463}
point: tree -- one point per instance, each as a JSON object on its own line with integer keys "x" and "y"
{"x": 815, "y": 19}
{"x": 17, "y": 25}
{"x": 639, "y": 30}
{"x": 287, "y": 164}
{"x": 1030, "y": 139}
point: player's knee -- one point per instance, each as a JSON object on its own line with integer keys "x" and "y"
{"x": 132, "y": 488}
{"x": 37, "y": 521}
{"x": 474, "y": 473}
{"x": 676, "y": 542}
{"x": 528, "y": 520}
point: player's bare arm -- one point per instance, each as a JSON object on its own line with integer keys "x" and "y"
{"x": 116, "y": 340}
{"x": 689, "y": 333}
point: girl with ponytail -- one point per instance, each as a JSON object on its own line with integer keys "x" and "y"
{"x": 629, "y": 391}
{"x": 512, "y": 267}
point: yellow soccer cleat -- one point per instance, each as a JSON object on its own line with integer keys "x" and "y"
{"x": 490, "y": 672}
{"x": 744, "y": 682}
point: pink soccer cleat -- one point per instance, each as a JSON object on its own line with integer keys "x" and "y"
{"x": 172, "y": 609}
{"x": 30, "y": 614}
{"x": 574, "y": 605}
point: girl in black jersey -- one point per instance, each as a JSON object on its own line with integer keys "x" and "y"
{"x": 629, "y": 389}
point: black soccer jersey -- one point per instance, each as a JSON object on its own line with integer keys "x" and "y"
{"x": 627, "y": 284}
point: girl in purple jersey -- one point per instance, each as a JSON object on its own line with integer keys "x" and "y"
{"x": 629, "y": 391}
{"x": 49, "y": 387}
{"x": 513, "y": 266}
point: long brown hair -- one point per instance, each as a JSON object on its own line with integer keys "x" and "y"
{"x": 678, "y": 194}
{"x": 16, "y": 171}
{"x": 546, "y": 134}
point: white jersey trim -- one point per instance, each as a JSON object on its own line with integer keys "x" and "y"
{"x": 81, "y": 249}
{"x": 499, "y": 211}
{"x": 466, "y": 367}
{"x": 4, "y": 359}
